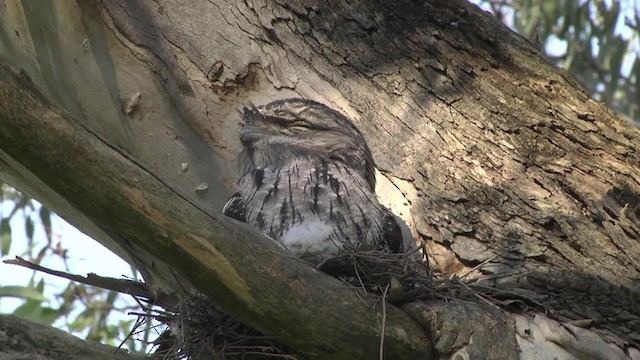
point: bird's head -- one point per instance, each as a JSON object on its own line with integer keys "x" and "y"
{"x": 290, "y": 129}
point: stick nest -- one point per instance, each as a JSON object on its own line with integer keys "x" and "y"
{"x": 199, "y": 329}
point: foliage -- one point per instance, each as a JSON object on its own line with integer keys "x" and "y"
{"x": 86, "y": 311}
{"x": 596, "y": 41}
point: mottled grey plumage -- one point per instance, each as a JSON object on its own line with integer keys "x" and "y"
{"x": 308, "y": 181}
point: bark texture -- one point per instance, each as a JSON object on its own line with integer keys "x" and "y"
{"x": 499, "y": 161}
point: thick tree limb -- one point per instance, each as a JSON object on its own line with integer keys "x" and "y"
{"x": 23, "y": 339}
{"x": 247, "y": 274}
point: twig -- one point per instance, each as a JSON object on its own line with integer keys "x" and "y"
{"x": 134, "y": 288}
{"x": 135, "y": 326}
{"x": 355, "y": 267}
{"x": 124, "y": 286}
{"x": 477, "y": 267}
{"x": 384, "y": 321}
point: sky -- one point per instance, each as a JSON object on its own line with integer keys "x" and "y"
{"x": 85, "y": 256}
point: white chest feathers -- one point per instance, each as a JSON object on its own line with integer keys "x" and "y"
{"x": 310, "y": 237}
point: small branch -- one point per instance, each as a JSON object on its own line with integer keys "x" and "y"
{"x": 134, "y": 288}
{"x": 384, "y": 320}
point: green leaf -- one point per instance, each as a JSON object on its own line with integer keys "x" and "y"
{"x": 84, "y": 320}
{"x": 611, "y": 18}
{"x": 567, "y": 19}
{"x": 33, "y": 310}
{"x": 40, "y": 286}
{"x": 5, "y": 236}
{"x": 112, "y": 331}
{"x": 619, "y": 49}
{"x": 49, "y": 315}
{"x": 45, "y": 217}
{"x": 28, "y": 223}
{"x": 550, "y": 13}
{"x": 23, "y": 292}
{"x": 30, "y": 309}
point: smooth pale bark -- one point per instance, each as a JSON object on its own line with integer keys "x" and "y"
{"x": 501, "y": 162}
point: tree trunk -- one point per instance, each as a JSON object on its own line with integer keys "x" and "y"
{"x": 514, "y": 178}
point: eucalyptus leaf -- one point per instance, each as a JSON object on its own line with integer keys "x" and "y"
{"x": 24, "y": 292}
{"x": 5, "y": 236}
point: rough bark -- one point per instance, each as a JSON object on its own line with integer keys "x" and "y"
{"x": 513, "y": 176}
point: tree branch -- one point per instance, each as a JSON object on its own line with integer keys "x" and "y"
{"x": 20, "y": 338}
{"x": 244, "y": 272}
{"x": 125, "y": 286}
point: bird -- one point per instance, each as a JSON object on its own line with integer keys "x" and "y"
{"x": 308, "y": 181}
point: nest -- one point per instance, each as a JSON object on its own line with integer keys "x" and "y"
{"x": 399, "y": 278}
{"x": 198, "y": 329}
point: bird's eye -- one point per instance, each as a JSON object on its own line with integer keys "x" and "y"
{"x": 298, "y": 125}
